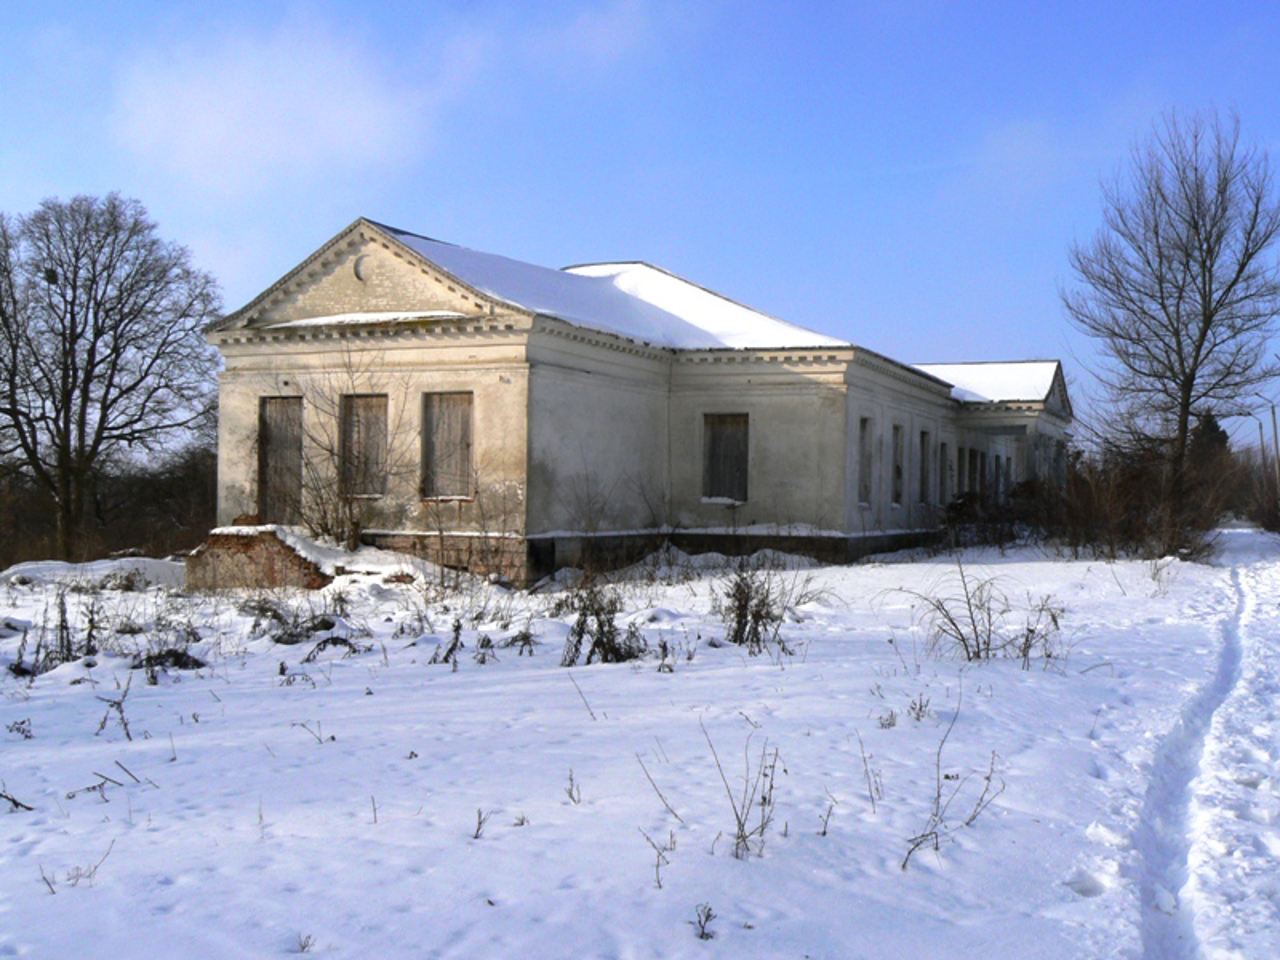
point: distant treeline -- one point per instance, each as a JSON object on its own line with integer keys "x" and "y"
{"x": 156, "y": 508}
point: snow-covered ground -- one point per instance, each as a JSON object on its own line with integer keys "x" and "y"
{"x": 1117, "y": 800}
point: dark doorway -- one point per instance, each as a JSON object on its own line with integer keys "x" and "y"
{"x": 280, "y": 459}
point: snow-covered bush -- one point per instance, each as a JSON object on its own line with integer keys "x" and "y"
{"x": 972, "y": 618}
{"x": 597, "y": 609}
{"x": 752, "y": 615}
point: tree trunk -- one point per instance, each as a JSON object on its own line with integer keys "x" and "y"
{"x": 1176, "y": 513}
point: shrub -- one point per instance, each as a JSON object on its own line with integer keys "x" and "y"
{"x": 597, "y": 609}
{"x": 610, "y": 648}
{"x": 751, "y": 612}
{"x": 350, "y": 649}
{"x": 57, "y": 643}
{"x": 1119, "y": 502}
{"x": 969, "y": 617}
{"x": 753, "y": 604}
{"x": 524, "y": 642}
{"x": 168, "y": 658}
{"x": 449, "y": 654}
{"x": 753, "y": 803}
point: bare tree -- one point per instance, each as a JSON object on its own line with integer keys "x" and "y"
{"x": 356, "y": 448}
{"x": 1181, "y": 288}
{"x": 102, "y": 349}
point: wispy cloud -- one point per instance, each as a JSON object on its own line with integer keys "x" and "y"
{"x": 256, "y": 141}
{"x": 245, "y": 112}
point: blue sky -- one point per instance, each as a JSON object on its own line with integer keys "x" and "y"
{"x": 908, "y": 176}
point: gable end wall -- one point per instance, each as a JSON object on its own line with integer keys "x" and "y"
{"x": 368, "y": 274}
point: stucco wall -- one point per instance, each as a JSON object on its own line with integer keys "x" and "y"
{"x": 597, "y": 436}
{"x": 488, "y": 362}
{"x": 887, "y": 398}
{"x": 796, "y": 440}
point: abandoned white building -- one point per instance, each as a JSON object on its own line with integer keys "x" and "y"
{"x": 500, "y": 415}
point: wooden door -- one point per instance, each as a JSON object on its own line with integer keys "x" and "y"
{"x": 724, "y": 456}
{"x": 280, "y": 459}
{"x": 446, "y": 445}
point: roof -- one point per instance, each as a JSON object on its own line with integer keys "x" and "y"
{"x": 633, "y": 300}
{"x": 998, "y": 382}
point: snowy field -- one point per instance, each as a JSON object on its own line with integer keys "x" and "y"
{"x": 352, "y": 798}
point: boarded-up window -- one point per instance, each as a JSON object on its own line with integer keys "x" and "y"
{"x": 897, "y": 464}
{"x": 280, "y": 459}
{"x": 363, "y": 444}
{"x": 724, "y": 456}
{"x": 446, "y": 445}
{"x": 944, "y": 467}
{"x": 864, "y": 460}
{"x": 924, "y": 466}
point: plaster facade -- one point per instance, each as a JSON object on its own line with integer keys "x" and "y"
{"x": 580, "y": 435}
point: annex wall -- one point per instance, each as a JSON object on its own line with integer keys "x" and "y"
{"x": 795, "y": 405}
{"x": 892, "y": 488}
{"x": 597, "y": 433}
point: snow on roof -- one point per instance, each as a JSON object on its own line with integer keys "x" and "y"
{"x": 1025, "y": 380}
{"x": 632, "y": 300}
{"x": 729, "y": 322}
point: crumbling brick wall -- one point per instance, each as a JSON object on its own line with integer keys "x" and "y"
{"x": 248, "y": 560}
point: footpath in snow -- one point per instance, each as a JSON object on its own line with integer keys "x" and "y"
{"x": 1232, "y": 816}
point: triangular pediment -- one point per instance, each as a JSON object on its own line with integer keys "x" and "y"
{"x": 1058, "y": 401}
{"x": 362, "y": 271}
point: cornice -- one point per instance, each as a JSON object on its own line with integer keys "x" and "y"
{"x": 901, "y": 372}
{"x": 992, "y": 409}
{"x": 374, "y": 331}
{"x": 818, "y": 356}
{"x": 1002, "y": 406}
{"x": 564, "y": 330}
{"x": 554, "y": 327}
